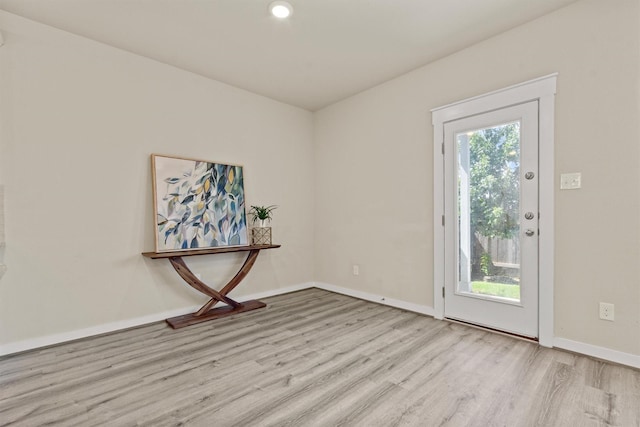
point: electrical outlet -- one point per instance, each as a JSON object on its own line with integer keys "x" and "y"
{"x": 606, "y": 311}
{"x": 356, "y": 270}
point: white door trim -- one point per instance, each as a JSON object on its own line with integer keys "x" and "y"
{"x": 542, "y": 89}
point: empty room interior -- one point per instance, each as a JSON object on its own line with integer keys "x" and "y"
{"x": 364, "y": 213}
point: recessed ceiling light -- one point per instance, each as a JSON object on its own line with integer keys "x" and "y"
{"x": 280, "y": 9}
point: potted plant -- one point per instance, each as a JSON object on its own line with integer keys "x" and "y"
{"x": 262, "y": 214}
{"x": 261, "y": 235}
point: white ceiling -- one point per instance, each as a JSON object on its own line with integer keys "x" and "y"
{"x": 327, "y": 51}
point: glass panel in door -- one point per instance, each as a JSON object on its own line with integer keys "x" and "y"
{"x": 488, "y": 212}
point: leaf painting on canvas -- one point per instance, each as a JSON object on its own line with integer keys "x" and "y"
{"x": 198, "y": 204}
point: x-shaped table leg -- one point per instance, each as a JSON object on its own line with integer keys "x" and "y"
{"x": 206, "y": 312}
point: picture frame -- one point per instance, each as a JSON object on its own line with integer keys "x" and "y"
{"x": 198, "y": 204}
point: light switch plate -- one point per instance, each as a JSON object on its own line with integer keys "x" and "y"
{"x": 570, "y": 181}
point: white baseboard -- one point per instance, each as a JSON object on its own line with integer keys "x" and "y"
{"x": 599, "y": 352}
{"x": 409, "y": 306}
{"x": 30, "y": 344}
{"x": 47, "y": 340}
{"x": 563, "y": 343}
{"x": 275, "y": 292}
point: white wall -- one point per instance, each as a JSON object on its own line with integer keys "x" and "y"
{"x": 373, "y": 156}
{"x": 79, "y": 121}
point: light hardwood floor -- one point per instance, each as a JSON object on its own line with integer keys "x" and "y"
{"x": 314, "y": 358}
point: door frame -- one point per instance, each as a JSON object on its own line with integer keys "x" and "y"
{"x": 543, "y": 90}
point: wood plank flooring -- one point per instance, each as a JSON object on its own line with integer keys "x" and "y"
{"x": 314, "y": 358}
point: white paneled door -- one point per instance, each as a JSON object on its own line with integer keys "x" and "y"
{"x": 491, "y": 219}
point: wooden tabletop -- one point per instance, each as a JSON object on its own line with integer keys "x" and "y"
{"x": 207, "y": 251}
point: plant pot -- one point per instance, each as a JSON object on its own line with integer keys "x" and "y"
{"x": 261, "y": 236}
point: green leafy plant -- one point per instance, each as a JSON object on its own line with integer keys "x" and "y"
{"x": 494, "y": 187}
{"x": 262, "y": 213}
{"x": 486, "y": 265}
{"x": 494, "y": 180}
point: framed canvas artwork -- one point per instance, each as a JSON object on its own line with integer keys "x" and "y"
{"x": 198, "y": 204}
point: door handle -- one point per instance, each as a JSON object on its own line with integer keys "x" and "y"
{"x": 529, "y": 232}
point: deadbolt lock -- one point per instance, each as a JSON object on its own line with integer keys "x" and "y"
{"x": 529, "y": 215}
{"x": 529, "y": 175}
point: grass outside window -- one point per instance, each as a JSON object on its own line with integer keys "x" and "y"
{"x": 496, "y": 289}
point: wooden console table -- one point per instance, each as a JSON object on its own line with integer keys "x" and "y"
{"x": 207, "y": 312}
